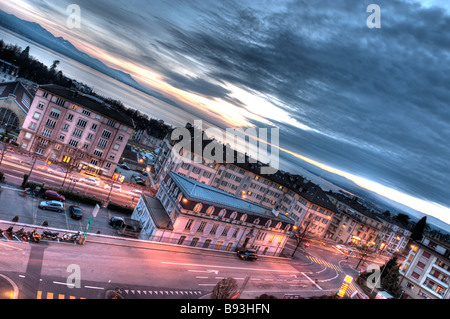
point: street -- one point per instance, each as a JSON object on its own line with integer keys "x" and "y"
{"x": 15, "y": 166}
{"x": 153, "y": 270}
{"x": 142, "y": 269}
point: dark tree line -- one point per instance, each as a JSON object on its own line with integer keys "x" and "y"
{"x": 30, "y": 68}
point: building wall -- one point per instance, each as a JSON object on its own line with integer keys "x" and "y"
{"x": 426, "y": 274}
{"x": 246, "y": 184}
{"x": 54, "y": 137}
{"x": 218, "y": 232}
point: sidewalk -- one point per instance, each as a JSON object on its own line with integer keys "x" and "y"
{"x": 135, "y": 243}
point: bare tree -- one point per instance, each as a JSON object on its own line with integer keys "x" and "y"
{"x": 225, "y": 289}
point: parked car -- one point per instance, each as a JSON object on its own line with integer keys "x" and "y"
{"x": 115, "y": 187}
{"x": 248, "y": 254}
{"x": 54, "y": 195}
{"x": 124, "y": 166}
{"x": 52, "y": 205}
{"x": 116, "y": 221}
{"x": 75, "y": 212}
{"x": 90, "y": 180}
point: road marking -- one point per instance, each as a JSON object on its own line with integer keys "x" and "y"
{"x": 64, "y": 284}
{"x": 201, "y": 277}
{"x": 39, "y": 294}
{"x": 93, "y": 287}
{"x": 229, "y": 267}
{"x": 49, "y": 295}
{"x": 312, "y": 281}
{"x": 207, "y": 271}
{"x": 60, "y": 296}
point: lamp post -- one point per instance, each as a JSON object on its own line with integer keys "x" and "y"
{"x": 300, "y": 238}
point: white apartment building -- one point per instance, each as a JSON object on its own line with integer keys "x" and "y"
{"x": 198, "y": 215}
{"x": 291, "y": 194}
{"x": 426, "y": 270}
{"x": 67, "y": 126}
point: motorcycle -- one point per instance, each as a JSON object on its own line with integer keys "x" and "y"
{"x": 70, "y": 237}
{"x": 10, "y": 233}
{"x": 34, "y": 237}
{"x": 21, "y": 234}
{"x": 50, "y": 235}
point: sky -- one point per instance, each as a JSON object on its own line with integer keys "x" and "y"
{"x": 369, "y": 104}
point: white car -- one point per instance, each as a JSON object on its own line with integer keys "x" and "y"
{"x": 90, "y": 180}
{"x": 115, "y": 187}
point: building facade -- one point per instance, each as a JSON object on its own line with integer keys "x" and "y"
{"x": 15, "y": 102}
{"x": 67, "y": 126}
{"x": 354, "y": 224}
{"x": 292, "y": 195}
{"x": 8, "y": 72}
{"x": 426, "y": 270}
{"x": 199, "y": 215}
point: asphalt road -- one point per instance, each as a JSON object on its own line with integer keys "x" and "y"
{"x": 15, "y": 166}
{"x": 48, "y": 270}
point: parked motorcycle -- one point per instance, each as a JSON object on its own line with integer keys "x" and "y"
{"x": 70, "y": 237}
{"x": 34, "y": 237}
{"x": 10, "y": 233}
{"x": 21, "y": 234}
{"x": 50, "y": 235}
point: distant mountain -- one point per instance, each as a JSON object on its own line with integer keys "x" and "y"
{"x": 37, "y": 33}
{"x": 40, "y": 35}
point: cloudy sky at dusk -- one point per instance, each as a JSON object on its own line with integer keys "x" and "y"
{"x": 370, "y": 104}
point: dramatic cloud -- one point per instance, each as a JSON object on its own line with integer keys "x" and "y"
{"x": 371, "y": 102}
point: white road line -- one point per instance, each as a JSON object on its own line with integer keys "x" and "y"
{"x": 312, "y": 281}
{"x": 229, "y": 267}
{"x": 93, "y": 287}
{"x": 201, "y": 277}
{"x": 64, "y": 284}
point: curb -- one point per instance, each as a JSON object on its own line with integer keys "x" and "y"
{"x": 140, "y": 243}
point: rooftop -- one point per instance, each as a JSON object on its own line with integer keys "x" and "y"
{"x": 93, "y": 103}
{"x": 205, "y": 193}
{"x": 157, "y": 212}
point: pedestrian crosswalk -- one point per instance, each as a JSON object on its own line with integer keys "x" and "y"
{"x": 130, "y": 293}
{"x": 323, "y": 262}
{"x": 51, "y": 295}
{"x": 162, "y": 293}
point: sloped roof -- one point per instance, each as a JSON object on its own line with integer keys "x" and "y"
{"x": 205, "y": 193}
{"x": 93, "y": 104}
{"x": 157, "y": 212}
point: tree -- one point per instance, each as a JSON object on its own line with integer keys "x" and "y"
{"x": 417, "y": 231}
{"x": 390, "y": 273}
{"x": 402, "y": 219}
{"x": 225, "y": 289}
{"x": 54, "y": 65}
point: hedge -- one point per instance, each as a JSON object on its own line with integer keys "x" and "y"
{"x": 120, "y": 208}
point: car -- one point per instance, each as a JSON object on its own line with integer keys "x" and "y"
{"x": 115, "y": 187}
{"x": 116, "y": 221}
{"x": 54, "y": 195}
{"x": 145, "y": 173}
{"x": 52, "y": 205}
{"x": 75, "y": 212}
{"x": 247, "y": 254}
{"x": 124, "y": 166}
{"x": 90, "y": 180}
